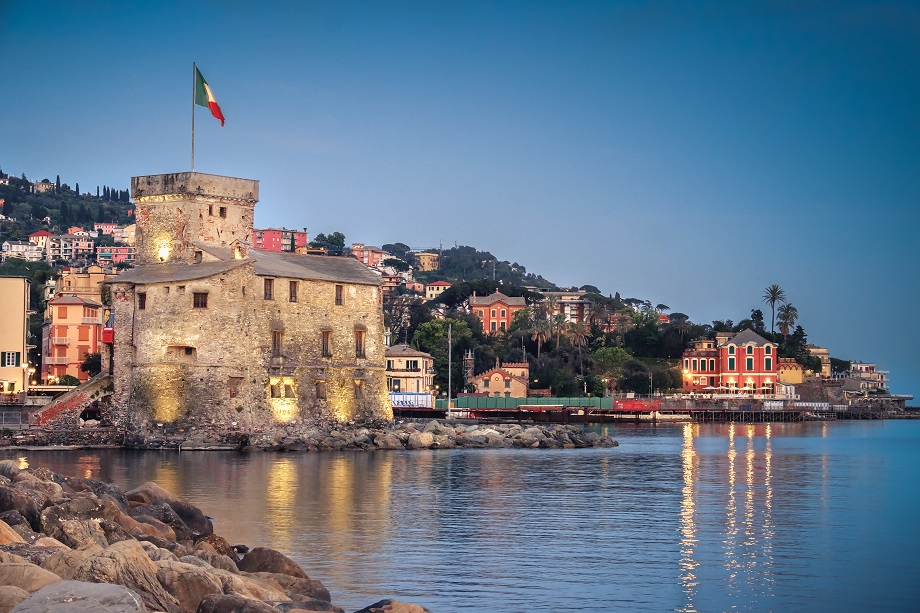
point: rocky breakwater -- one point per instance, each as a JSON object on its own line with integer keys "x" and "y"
{"x": 79, "y": 545}
{"x": 433, "y": 434}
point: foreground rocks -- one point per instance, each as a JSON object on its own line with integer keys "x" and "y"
{"x": 76, "y": 544}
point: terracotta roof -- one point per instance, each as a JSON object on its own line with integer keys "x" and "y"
{"x": 439, "y": 284}
{"x": 405, "y": 351}
{"x": 65, "y": 300}
{"x": 498, "y": 297}
{"x": 41, "y": 233}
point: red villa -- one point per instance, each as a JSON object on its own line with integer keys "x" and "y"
{"x": 745, "y": 362}
{"x": 496, "y": 311}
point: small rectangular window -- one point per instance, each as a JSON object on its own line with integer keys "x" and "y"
{"x": 277, "y": 340}
{"x": 507, "y": 382}
{"x": 292, "y": 291}
{"x": 223, "y": 211}
{"x": 768, "y": 364}
{"x": 504, "y": 312}
{"x": 731, "y": 363}
{"x": 327, "y": 344}
{"x": 62, "y": 312}
{"x": 749, "y": 364}
{"x": 485, "y": 383}
{"x": 210, "y": 210}
{"x": 269, "y": 289}
{"x": 276, "y": 390}
{"x": 321, "y": 390}
{"x": 288, "y": 390}
{"x": 339, "y": 295}
{"x": 359, "y": 389}
{"x": 233, "y": 384}
{"x": 200, "y": 300}
{"x": 141, "y": 301}
{"x": 359, "y": 343}
{"x": 492, "y": 326}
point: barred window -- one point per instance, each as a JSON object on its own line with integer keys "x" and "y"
{"x": 327, "y": 344}
{"x": 269, "y": 289}
{"x": 201, "y": 300}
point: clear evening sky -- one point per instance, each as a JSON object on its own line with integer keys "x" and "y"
{"x": 690, "y": 153}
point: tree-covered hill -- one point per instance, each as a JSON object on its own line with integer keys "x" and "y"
{"x": 470, "y": 264}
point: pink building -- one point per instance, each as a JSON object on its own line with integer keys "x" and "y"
{"x": 116, "y": 254}
{"x": 105, "y": 228}
{"x": 278, "y": 239}
{"x": 370, "y": 256}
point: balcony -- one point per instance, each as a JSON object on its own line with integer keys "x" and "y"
{"x": 55, "y": 360}
{"x": 60, "y": 340}
{"x": 92, "y": 320}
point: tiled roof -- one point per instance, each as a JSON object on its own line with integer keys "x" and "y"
{"x": 65, "y": 300}
{"x": 405, "y": 351}
{"x": 746, "y": 337}
{"x": 174, "y": 271}
{"x": 496, "y": 297}
{"x": 439, "y": 284}
{"x": 315, "y": 267}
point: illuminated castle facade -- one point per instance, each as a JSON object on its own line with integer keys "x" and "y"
{"x": 208, "y": 331}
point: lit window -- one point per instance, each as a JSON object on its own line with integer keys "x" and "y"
{"x": 201, "y": 300}
{"x": 269, "y": 289}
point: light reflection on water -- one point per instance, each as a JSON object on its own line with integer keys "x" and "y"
{"x": 681, "y": 517}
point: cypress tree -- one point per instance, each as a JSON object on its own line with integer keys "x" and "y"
{"x": 97, "y": 191}
{"x": 57, "y": 185}
{"x": 77, "y": 189}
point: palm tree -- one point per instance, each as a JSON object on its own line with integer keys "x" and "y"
{"x": 681, "y": 323}
{"x": 558, "y": 323}
{"x": 771, "y": 296}
{"x": 541, "y": 333}
{"x": 578, "y": 336}
{"x": 787, "y": 316}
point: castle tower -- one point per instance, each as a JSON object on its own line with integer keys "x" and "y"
{"x": 174, "y": 210}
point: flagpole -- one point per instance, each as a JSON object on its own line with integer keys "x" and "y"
{"x": 194, "y": 68}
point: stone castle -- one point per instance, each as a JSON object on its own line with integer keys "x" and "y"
{"x": 209, "y": 332}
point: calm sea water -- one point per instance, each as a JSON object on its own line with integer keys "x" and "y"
{"x": 684, "y": 517}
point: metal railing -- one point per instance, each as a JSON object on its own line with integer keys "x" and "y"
{"x": 92, "y": 320}
{"x": 55, "y": 360}
{"x": 60, "y": 340}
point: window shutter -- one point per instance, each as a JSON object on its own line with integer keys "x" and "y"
{"x": 2, "y": 359}
{"x": 18, "y": 354}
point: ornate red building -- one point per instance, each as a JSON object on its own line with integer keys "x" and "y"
{"x": 496, "y": 310}
{"x": 743, "y": 363}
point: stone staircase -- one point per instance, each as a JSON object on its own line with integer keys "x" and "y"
{"x": 65, "y": 409}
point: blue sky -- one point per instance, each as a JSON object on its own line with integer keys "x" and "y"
{"x": 686, "y": 153}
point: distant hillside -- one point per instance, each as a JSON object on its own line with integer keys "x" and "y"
{"x": 30, "y": 202}
{"x": 469, "y": 264}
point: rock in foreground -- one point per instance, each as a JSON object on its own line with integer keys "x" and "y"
{"x": 75, "y": 544}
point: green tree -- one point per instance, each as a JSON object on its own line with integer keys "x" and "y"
{"x": 68, "y": 380}
{"x": 610, "y": 360}
{"x": 431, "y": 337}
{"x": 395, "y": 263}
{"x": 92, "y": 364}
{"x": 773, "y": 294}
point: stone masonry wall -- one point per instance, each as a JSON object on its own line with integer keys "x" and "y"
{"x": 224, "y": 379}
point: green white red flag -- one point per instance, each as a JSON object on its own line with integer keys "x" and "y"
{"x": 205, "y": 97}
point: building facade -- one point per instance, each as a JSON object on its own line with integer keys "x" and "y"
{"x": 367, "y": 255}
{"x": 14, "y": 334}
{"x": 426, "y": 260}
{"x": 409, "y": 370}
{"x": 509, "y": 380}
{"x": 278, "y": 239}
{"x": 208, "y": 331}
{"x": 743, "y": 363}
{"x": 73, "y": 331}
{"x": 435, "y": 289}
{"x": 496, "y": 311}
{"x": 116, "y": 254}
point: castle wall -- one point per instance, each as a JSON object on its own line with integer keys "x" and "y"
{"x": 215, "y": 367}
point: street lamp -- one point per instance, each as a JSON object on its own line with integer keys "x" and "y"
{"x": 650, "y": 384}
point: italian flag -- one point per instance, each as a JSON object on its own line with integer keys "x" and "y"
{"x": 205, "y": 97}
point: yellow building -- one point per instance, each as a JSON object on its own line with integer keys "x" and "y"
{"x": 426, "y": 260}
{"x": 14, "y": 332}
{"x": 409, "y": 370}
{"x": 82, "y": 282}
{"x": 433, "y": 290}
{"x": 510, "y": 380}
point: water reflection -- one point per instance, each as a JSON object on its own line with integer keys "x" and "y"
{"x": 688, "y": 539}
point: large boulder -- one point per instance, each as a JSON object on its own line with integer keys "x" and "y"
{"x": 10, "y": 596}
{"x": 420, "y": 440}
{"x": 79, "y": 597}
{"x": 308, "y": 604}
{"x": 18, "y": 572}
{"x": 387, "y": 440}
{"x": 11, "y": 499}
{"x": 26, "y": 480}
{"x": 263, "y": 559}
{"x": 187, "y": 583}
{"x": 8, "y": 535}
{"x": 296, "y": 587}
{"x": 231, "y": 603}
{"x": 145, "y": 499}
{"x": 393, "y": 606}
{"x": 126, "y": 563}
{"x": 65, "y": 562}
{"x": 9, "y": 469}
